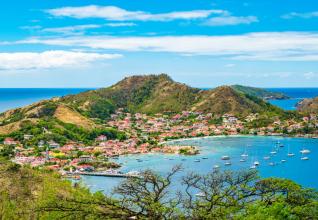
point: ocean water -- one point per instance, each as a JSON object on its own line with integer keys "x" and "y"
{"x": 296, "y": 94}
{"x": 14, "y": 98}
{"x": 213, "y": 148}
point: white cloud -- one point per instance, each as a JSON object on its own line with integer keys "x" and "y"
{"x": 230, "y": 20}
{"x": 118, "y": 14}
{"x": 121, "y": 24}
{"x": 300, "y": 15}
{"x": 71, "y": 29}
{"x": 49, "y": 59}
{"x": 282, "y": 46}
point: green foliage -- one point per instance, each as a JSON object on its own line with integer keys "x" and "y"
{"x": 101, "y": 109}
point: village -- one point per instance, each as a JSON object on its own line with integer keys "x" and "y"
{"x": 148, "y": 134}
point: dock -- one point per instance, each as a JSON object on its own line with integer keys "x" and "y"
{"x": 118, "y": 175}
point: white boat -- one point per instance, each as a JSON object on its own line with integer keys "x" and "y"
{"x": 273, "y": 152}
{"x": 289, "y": 154}
{"x": 271, "y": 164}
{"x": 305, "y": 151}
{"x": 197, "y": 160}
{"x": 267, "y": 158}
{"x": 225, "y": 157}
{"x": 256, "y": 163}
{"x": 253, "y": 167}
{"x": 304, "y": 158}
{"x": 283, "y": 161}
{"x": 200, "y": 194}
{"x": 204, "y": 158}
{"x": 216, "y": 167}
{"x": 228, "y": 163}
{"x": 242, "y": 160}
{"x": 245, "y": 153}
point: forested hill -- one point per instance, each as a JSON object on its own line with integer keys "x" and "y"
{"x": 259, "y": 92}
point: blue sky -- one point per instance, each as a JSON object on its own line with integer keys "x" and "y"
{"x": 272, "y": 43}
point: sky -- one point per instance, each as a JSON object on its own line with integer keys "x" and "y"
{"x": 203, "y": 43}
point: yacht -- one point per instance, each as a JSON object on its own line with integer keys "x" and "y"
{"x": 228, "y": 163}
{"x": 267, "y": 158}
{"x": 273, "y": 152}
{"x": 242, "y": 160}
{"x": 197, "y": 160}
{"x": 271, "y": 164}
{"x": 225, "y": 158}
{"x": 304, "y": 158}
{"x": 256, "y": 163}
{"x": 283, "y": 161}
{"x": 289, "y": 154}
{"x": 253, "y": 167}
{"x": 200, "y": 194}
{"x": 305, "y": 151}
{"x": 244, "y": 154}
{"x": 216, "y": 166}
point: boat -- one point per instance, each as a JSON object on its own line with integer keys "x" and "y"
{"x": 197, "y": 160}
{"x": 216, "y": 166}
{"x": 139, "y": 160}
{"x": 273, "y": 152}
{"x": 244, "y": 154}
{"x": 225, "y": 157}
{"x": 256, "y": 163}
{"x": 200, "y": 194}
{"x": 228, "y": 163}
{"x": 305, "y": 151}
{"x": 283, "y": 161}
{"x": 304, "y": 158}
{"x": 253, "y": 167}
{"x": 290, "y": 154}
{"x": 271, "y": 164}
{"x": 204, "y": 158}
{"x": 242, "y": 160}
{"x": 267, "y": 158}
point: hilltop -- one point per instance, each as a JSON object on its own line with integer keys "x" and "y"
{"x": 258, "y": 92}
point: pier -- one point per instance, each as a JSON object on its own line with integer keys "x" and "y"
{"x": 119, "y": 175}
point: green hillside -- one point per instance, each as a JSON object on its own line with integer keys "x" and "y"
{"x": 260, "y": 93}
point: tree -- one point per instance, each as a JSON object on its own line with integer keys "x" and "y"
{"x": 148, "y": 196}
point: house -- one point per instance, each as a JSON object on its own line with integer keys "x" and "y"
{"x": 85, "y": 158}
{"x": 53, "y": 145}
{"x": 9, "y": 141}
{"x": 101, "y": 138}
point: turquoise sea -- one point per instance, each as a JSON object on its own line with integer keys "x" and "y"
{"x": 213, "y": 148}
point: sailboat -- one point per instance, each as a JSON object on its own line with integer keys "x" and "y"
{"x": 244, "y": 154}
{"x": 253, "y": 166}
{"x": 289, "y": 154}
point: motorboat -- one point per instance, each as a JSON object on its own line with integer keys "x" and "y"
{"x": 225, "y": 158}
{"x": 283, "y": 161}
{"x": 305, "y": 151}
{"x": 267, "y": 158}
{"x": 216, "y": 166}
{"x": 304, "y": 158}
{"x": 228, "y": 163}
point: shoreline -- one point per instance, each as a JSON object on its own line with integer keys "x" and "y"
{"x": 236, "y": 135}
